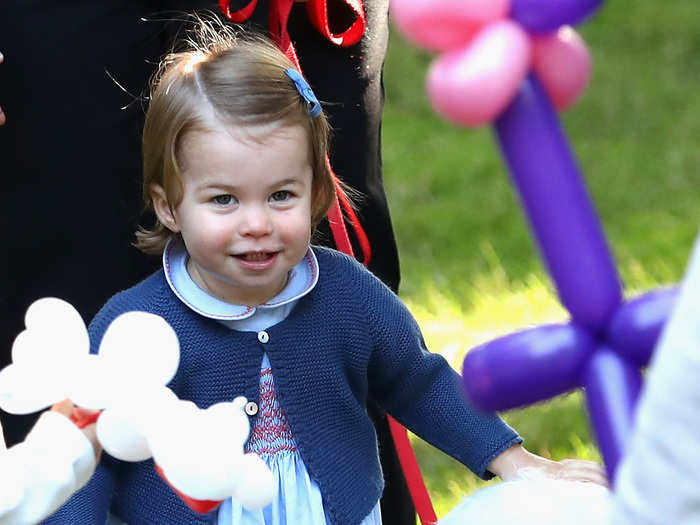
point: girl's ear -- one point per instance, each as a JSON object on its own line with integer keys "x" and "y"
{"x": 161, "y": 206}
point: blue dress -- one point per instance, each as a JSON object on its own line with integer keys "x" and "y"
{"x": 299, "y": 499}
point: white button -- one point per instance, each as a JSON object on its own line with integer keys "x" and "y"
{"x": 251, "y": 408}
{"x": 263, "y": 336}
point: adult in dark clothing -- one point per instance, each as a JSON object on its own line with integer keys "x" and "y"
{"x": 70, "y": 195}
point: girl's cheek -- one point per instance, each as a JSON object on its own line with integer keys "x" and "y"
{"x": 222, "y": 238}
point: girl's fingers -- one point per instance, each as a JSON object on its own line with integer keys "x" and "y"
{"x": 580, "y": 470}
{"x": 64, "y": 407}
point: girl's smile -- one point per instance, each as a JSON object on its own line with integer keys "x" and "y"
{"x": 245, "y": 213}
{"x": 257, "y": 260}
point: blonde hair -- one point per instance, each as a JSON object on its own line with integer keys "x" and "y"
{"x": 241, "y": 79}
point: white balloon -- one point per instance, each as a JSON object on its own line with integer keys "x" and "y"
{"x": 142, "y": 347}
{"x": 166, "y": 432}
{"x": 214, "y": 481}
{"x": 179, "y": 447}
{"x": 28, "y": 347}
{"x": 256, "y": 486}
{"x": 25, "y": 389}
{"x": 200, "y": 451}
{"x": 150, "y": 406}
{"x": 60, "y": 323}
{"x": 121, "y": 435}
{"x": 43, "y": 357}
{"x": 46, "y": 348}
{"x": 92, "y": 385}
{"x": 228, "y": 425}
{"x": 51, "y": 362}
{"x": 159, "y": 397}
{"x": 123, "y": 428}
{"x": 533, "y": 502}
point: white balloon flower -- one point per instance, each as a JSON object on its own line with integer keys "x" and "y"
{"x": 199, "y": 451}
{"x": 51, "y": 359}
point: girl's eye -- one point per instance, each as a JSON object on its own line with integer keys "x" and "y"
{"x": 280, "y": 196}
{"x": 223, "y": 200}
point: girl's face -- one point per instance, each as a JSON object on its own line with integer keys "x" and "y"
{"x": 245, "y": 214}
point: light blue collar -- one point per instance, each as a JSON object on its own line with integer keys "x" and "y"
{"x": 302, "y": 279}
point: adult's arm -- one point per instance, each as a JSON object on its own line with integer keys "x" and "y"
{"x": 658, "y": 480}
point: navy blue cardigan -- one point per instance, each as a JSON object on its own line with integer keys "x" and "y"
{"x": 348, "y": 339}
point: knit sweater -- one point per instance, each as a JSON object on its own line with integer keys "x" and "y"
{"x": 348, "y": 339}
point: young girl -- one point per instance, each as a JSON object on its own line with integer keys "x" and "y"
{"x": 234, "y": 146}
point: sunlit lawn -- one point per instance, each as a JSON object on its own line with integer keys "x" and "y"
{"x": 469, "y": 269}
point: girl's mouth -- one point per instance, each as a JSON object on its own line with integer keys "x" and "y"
{"x": 257, "y": 260}
{"x": 255, "y": 256}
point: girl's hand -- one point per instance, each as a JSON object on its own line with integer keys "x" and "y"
{"x": 68, "y": 409}
{"x": 517, "y": 463}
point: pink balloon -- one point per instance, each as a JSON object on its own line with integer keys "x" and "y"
{"x": 439, "y": 25}
{"x": 472, "y": 85}
{"x": 563, "y": 64}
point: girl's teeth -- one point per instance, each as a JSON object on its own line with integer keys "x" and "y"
{"x": 258, "y": 256}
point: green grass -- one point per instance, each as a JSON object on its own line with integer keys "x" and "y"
{"x": 469, "y": 268}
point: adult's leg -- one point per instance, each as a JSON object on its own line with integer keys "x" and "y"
{"x": 349, "y": 82}
{"x": 70, "y": 191}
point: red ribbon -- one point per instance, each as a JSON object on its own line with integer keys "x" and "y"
{"x": 318, "y": 14}
{"x": 83, "y": 418}
{"x": 200, "y": 506}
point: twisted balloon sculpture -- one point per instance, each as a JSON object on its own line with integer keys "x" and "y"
{"x": 511, "y": 63}
{"x": 198, "y": 452}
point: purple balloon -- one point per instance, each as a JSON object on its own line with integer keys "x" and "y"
{"x": 544, "y": 16}
{"x": 637, "y": 324}
{"x": 526, "y": 367}
{"x": 612, "y": 387}
{"x": 558, "y": 207}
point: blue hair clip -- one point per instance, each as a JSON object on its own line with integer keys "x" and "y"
{"x": 305, "y": 91}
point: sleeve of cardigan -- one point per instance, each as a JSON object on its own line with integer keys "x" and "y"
{"x": 88, "y": 506}
{"x": 658, "y": 480}
{"x": 53, "y": 462}
{"x": 424, "y": 393}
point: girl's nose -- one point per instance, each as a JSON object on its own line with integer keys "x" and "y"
{"x": 255, "y": 222}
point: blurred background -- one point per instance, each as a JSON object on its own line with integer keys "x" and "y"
{"x": 470, "y": 271}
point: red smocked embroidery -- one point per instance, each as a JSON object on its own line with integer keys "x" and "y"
{"x": 271, "y": 433}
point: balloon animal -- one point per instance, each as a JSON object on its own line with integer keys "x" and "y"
{"x": 199, "y": 452}
{"x": 513, "y": 63}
